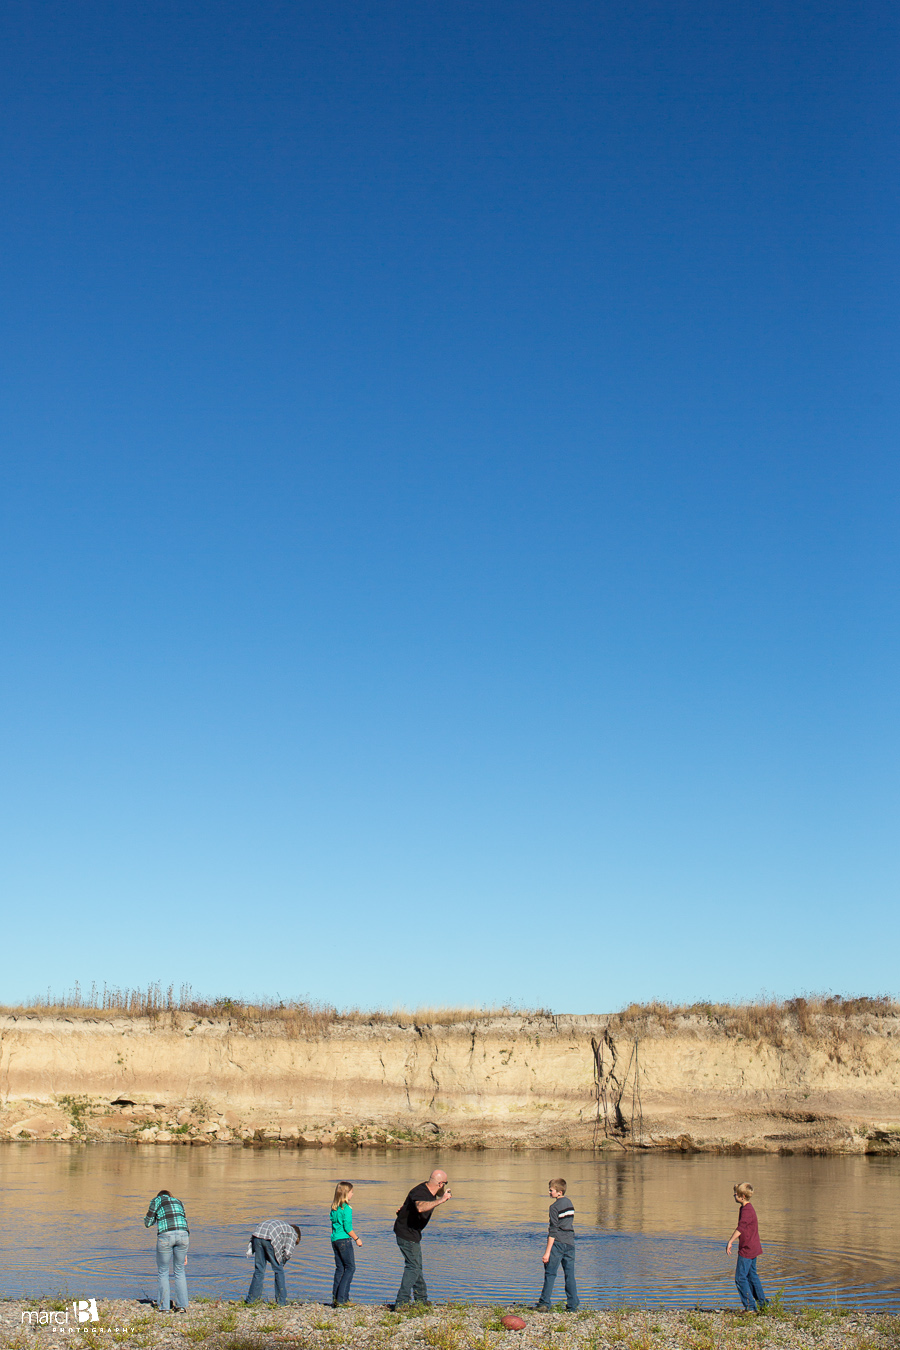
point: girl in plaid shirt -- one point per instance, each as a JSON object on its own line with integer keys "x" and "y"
{"x": 172, "y": 1241}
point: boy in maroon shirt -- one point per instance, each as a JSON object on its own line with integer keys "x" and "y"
{"x": 746, "y": 1235}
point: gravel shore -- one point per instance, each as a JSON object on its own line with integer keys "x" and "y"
{"x": 313, "y": 1326}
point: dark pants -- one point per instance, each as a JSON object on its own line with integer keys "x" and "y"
{"x": 263, "y": 1251}
{"x": 563, "y": 1252}
{"x": 344, "y": 1269}
{"x": 413, "y": 1282}
{"x": 747, "y": 1281}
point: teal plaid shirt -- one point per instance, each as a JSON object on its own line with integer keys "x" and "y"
{"x": 167, "y": 1213}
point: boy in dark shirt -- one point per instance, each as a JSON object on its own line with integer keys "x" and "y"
{"x": 746, "y": 1235}
{"x": 412, "y": 1216}
{"x": 560, "y": 1248}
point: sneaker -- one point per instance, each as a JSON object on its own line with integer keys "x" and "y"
{"x": 541, "y": 1307}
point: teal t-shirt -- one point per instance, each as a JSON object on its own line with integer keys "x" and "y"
{"x": 341, "y": 1223}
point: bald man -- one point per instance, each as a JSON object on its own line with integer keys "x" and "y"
{"x": 412, "y": 1216}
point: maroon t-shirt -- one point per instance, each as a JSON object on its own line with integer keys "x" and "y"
{"x": 748, "y": 1227}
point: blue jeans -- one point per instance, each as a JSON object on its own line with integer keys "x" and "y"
{"x": 560, "y": 1252}
{"x": 747, "y": 1281}
{"x": 263, "y": 1251}
{"x": 413, "y": 1281}
{"x": 344, "y": 1269}
{"x": 172, "y": 1245}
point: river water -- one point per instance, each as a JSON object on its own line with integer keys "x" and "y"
{"x": 651, "y": 1229}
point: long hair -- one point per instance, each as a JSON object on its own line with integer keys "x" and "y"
{"x": 341, "y": 1191}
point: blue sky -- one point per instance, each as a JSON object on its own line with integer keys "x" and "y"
{"x": 448, "y": 502}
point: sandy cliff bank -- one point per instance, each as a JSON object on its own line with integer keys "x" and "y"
{"x": 827, "y": 1083}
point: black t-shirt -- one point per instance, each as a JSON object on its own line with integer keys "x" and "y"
{"x": 410, "y": 1222}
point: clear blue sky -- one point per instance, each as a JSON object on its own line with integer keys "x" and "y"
{"x": 449, "y": 495}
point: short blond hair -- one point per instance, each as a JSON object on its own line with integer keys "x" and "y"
{"x": 744, "y": 1190}
{"x": 558, "y": 1184}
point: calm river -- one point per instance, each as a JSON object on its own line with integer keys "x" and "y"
{"x": 651, "y": 1229}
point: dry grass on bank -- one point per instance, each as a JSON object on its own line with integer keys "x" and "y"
{"x": 298, "y": 1017}
{"x": 774, "y": 1021}
{"x": 777, "y": 1022}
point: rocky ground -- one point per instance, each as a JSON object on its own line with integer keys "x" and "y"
{"x": 312, "y": 1326}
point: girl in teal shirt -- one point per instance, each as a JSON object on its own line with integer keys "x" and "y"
{"x": 342, "y": 1240}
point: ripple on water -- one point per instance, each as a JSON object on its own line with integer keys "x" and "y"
{"x": 651, "y": 1230}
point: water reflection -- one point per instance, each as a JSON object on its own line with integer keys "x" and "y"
{"x": 651, "y": 1229}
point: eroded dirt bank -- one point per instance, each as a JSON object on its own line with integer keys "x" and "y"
{"x": 826, "y": 1083}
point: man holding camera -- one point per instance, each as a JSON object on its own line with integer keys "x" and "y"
{"x": 412, "y": 1216}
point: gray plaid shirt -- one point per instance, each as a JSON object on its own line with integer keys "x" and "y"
{"x": 280, "y": 1234}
